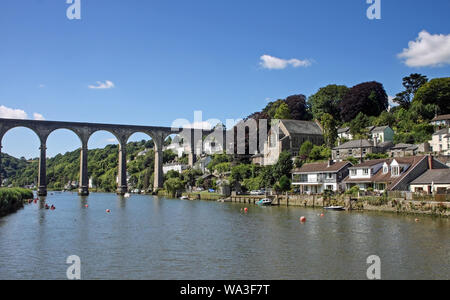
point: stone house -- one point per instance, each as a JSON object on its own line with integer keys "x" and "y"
{"x": 359, "y": 149}
{"x": 402, "y": 150}
{"x": 316, "y": 178}
{"x": 289, "y": 135}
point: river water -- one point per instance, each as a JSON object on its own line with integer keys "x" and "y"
{"x": 145, "y": 237}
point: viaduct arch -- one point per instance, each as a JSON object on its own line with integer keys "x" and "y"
{"x": 84, "y": 131}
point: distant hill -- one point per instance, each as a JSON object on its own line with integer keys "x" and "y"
{"x": 102, "y": 167}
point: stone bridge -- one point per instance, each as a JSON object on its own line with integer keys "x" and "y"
{"x": 122, "y": 132}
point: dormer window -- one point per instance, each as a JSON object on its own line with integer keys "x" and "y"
{"x": 385, "y": 169}
{"x": 395, "y": 171}
{"x": 366, "y": 171}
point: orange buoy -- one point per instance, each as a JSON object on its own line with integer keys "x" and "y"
{"x": 246, "y": 209}
{"x": 322, "y": 215}
{"x": 86, "y": 206}
{"x": 303, "y": 219}
{"x": 108, "y": 210}
{"x": 416, "y": 220}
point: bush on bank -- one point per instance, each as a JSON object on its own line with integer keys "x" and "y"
{"x": 11, "y": 199}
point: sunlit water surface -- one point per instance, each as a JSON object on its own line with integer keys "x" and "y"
{"x": 146, "y": 237}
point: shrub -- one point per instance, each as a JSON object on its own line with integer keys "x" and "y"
{"x": 12, "y": 199}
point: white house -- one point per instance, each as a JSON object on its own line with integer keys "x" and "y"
{"x": 379, "y": 134}
{"x": 390, "y": 174}
{"x": 315, "y": 178}
{"x": 178, "y": 167}
{"x": 440, "y": 142}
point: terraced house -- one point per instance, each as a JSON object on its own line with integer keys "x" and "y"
{"x": 394, "y": 174}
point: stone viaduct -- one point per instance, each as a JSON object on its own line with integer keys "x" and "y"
{"x": 122, "y": 132}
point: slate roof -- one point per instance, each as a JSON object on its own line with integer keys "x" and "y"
{"x": 355, "y": 144}
{"x": 442, "y": 131}
{"x": 387, "y": 178}
{"x": 343, "y": 130}
{"x": 402, "y": 146}
{"x": 441, "y": 118}
{"x": 379, "y": 129}
{"x": 322, "y": 167}
{"x": 302, "y": 127}
{"x": 436, "y": 176}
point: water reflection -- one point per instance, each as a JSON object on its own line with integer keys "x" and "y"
{"x": 148, "y": 237}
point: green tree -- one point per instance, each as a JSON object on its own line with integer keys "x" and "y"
{"x": 330, "y": 132}
{"x": 305, "y": 150}
{"x": 283, "y": 166}
{"x": 358, "y": 126}
{"x": 437, "y": 92}
{"x": 411, "y": 83}
{"x": 285, "y": 184}
{"x": 173, "y": 185}
{"x": 327, "y": 100}
{"x": 283, "y": 112}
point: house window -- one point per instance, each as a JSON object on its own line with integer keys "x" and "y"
{"x": 337, "y": 153}
{"x": 353, "y": 172}
{"x": 366, "y": 171}
{"x": 385, "y": 169}
{"x": 396, "y": 171}
{"x": 364, "y": 151}
{"x": 329, "y": 175}
{"x": 350, "y": 152}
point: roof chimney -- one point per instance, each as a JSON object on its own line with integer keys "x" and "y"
{"x": 430, "y": 162}
{"x": 330, "y": 163}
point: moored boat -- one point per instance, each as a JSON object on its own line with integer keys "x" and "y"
{"x": 335, "y": 208}
{"x": 265, "y": 202}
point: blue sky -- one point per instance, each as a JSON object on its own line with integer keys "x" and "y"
{"x": 163, "y": 60}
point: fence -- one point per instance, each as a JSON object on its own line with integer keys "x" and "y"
{"x": 419, "y": 196}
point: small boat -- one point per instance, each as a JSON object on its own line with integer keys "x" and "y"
{"x": 184, "y": 198}
{"x": 265, "y": 201}
{"x": 127, "y": 195}
{"x": 335, "y": 208}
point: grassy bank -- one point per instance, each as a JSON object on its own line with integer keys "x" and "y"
{"x": 12, "y": 199}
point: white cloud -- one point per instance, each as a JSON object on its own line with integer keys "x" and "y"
{"x": 271, "y": 62}
{"x": 112, "y": 140}
{"x": 102, "y": 85}
{"x": 38, "y": 117}
{"x": 428, "y": 50}
{"x": 11, "y": 113}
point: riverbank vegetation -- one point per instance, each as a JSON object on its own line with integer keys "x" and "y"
{"x": 12, "y": 199}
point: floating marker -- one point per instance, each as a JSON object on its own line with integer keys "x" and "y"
{"x": 303, "y": 219}
{"x": 108, "y": 210}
